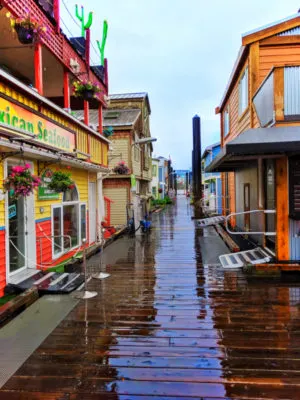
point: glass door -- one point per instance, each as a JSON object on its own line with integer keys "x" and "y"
{"x": 17, "y": 232}
{"x": 270, "y": 202}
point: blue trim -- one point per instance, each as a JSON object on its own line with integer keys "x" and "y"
{"x": 2, "y": 228}
{"x": 43, "y": 220}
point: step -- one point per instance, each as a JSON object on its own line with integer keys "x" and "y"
{"x": 242, "y": 258}
{"x": 202, "y": 223}
{"x": 50, "y": 282}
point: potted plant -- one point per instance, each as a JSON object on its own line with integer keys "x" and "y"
{"x": 108, "y": 132}
{"x": 61, "y": 182}
{"x": 28, "y": 29}
{"x": 121, "y": 168}
{"x": 86, "y": 89}
{"x": 21, "y": 182}
{"x": 160, "y": 190}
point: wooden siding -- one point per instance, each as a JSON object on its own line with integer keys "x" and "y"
{"x": 269, "y": 56}
{"x": 119, "y": 196}
{"x": 80, "y": 178}
{"x": 120, "y": 151}
{"x": 237, "y": 123}
{"x": 95, "y": 150}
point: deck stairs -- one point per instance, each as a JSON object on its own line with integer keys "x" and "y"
{"x": 243, "y": 258}
{"x": 48, "y": 282}
{"x": 203, "y": 223}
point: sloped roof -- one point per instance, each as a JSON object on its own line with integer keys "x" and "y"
{"x": 267, "y": 30}
{"x": 115, "y": 118}
{"x": 131, "y": 96}
{"x": 125, "y": 96}
{"x": 263, "y": 32}
{"x": 209, "y": 148}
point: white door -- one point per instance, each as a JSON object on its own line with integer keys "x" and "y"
{"x": 21, "y": 237}
{"x": 92, "y": 212}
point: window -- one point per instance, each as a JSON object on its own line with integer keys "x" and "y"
{"x": 136, "y": 153}
{"x": 68, "y": 223}
{"x": 154, "y": 170}
{"x": 137, "y": 186}
{"x": 243, "y": 92}
{"x": 226, "y": 125}
{"x": 154, "y": 191}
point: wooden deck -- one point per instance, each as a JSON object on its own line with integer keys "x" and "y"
{"x": 166, "y": 327}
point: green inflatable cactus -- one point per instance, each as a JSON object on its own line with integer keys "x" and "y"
{"x": 84, "y": 26}
{"x": 101, "y": 46}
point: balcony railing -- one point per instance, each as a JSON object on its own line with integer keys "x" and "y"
{"x": 278, "y": 97}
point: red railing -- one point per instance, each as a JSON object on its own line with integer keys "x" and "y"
{"x": 107, "y": 205}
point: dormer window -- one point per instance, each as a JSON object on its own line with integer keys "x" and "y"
{"x": 243, "y": 92}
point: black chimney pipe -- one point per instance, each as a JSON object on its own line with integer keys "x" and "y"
{"x": 197, "y": 178}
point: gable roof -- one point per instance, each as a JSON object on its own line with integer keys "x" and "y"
{"x": 131, "y": 96}
{"x": 210, "y": 148}
{"x": 271, "y": 29}
{"x": 114, "y": 118}
{"x": 280, "y": 28}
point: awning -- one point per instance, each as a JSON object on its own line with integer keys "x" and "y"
{"x": 256, "y": 142}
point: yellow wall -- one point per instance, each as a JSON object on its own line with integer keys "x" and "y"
{"x": 80, "y": 178}
{"x": 2, "y": 202}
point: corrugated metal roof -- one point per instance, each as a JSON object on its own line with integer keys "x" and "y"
{"x": 290, "y": 32}
{"x": 123, "y": 96}
{"x": 112, "y": 117}
{"x": 271, "y": 24}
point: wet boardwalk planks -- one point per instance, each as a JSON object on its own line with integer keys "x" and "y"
{"x": 166, "y": 327}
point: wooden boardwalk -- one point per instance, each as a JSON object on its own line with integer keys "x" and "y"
{"x": 166, "y": 327}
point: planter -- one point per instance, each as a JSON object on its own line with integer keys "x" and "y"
{"x": 88, "y": 95}
{"x": 25, "y": 35}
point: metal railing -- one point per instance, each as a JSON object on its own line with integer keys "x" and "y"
{"x": 249, "y": 232}
{"x": 64, "y": 250}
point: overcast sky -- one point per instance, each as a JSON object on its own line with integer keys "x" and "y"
{"x": 181, "y": 53}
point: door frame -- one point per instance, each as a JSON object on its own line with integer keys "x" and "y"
{"x": 30, "y": 239}
{"x": 89, "y": 208}
{"x": 246, "y": 200}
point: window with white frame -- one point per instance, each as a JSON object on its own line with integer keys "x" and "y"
{"x": 243, "y": 92}
{"x": 226, "y": 124}
{"x": 68, "y": 223}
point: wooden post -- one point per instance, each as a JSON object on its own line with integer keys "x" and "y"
{"x": 38, "y": 68}
{"x": 67, "y": 103}
{"x": 106, "y": 74}
{"x": 86, "y": 112}
{"x": 56, "y": 11}
{"x": 282, "y": 210}
{"x": 100, "y": 119}
{"x": 279, "y": 94}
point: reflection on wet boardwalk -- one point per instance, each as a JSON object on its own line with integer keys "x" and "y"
{"x": 166, "y": 327}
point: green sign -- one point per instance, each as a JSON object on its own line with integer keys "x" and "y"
{"x": 133, "y": 182}
{"x": 44, "y": 193}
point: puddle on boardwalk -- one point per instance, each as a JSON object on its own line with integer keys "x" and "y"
{"x": 166, "y": 326}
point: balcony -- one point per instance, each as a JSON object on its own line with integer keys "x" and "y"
{"x": 278, "y": 98}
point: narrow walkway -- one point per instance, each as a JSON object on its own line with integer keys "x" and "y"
{"x": 164, "y": 326}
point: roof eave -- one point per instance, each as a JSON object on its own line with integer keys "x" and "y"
{"x": 272, "y": 29}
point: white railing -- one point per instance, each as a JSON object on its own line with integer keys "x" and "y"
{"x": 249, "y": 232}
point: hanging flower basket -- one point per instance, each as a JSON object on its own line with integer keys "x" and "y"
{"x": 20, "y": 182}
{"x": 60, "y": 182}
{"x": 121, "y": 168}
{"x": 160, "y": 190}
{"x": 108, "y": 132}
{"x": 25, "y": 35}
{"x": 27, "y": 28}
{"x": 86, "y": 90}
